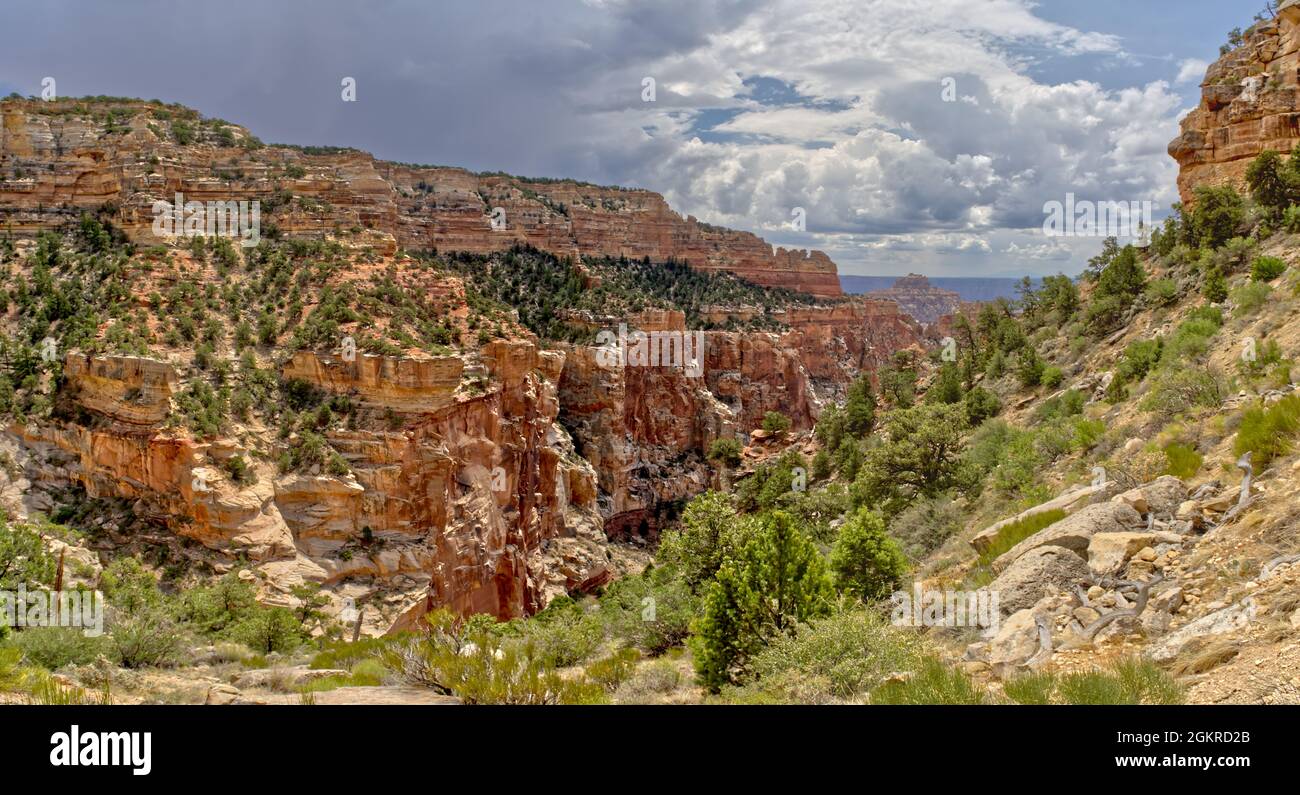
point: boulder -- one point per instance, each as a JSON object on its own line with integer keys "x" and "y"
{"x": 1066, "y": 502}
{"x": 1163, "y": 496}
{"x": 1025, "y": 580}
{"x": 1016, "y": 641}
{"x": 1109, "y": 552}
{"x": 222, "y": 694}
{"x": 1075, "y": 532}
{"x": 1219, "y": 622}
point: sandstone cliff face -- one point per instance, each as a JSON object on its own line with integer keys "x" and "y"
{"x": 58, "y": 162}
{"x": 646, "y": 430}
{"x": 457, "y": 507}
{"x": 837, "y": 342}
{"x": 1250, "y": 102}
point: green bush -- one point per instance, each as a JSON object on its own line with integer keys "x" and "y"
{"x": 652, "y": 611}
{"x": 775, "y": 582}
{"x": 1219, "y": 215}
{"x": 1066, "y": 404}
{"x": 1087, "y": 433}
{"x": 1052, "y": 377}
{"x": 845, "y": 655}
{"x": 1161, "y": 292}
{"x": 867, "y": 563}
{"x": 1018, "y": 531}
{"x": 365, "y": 673}
{"x": 1140, "y": 358}
{"x": 612, "y": 671}
{"x": 563, "y": 634}
{"x": 1030, "y": 368}
{"x": 1130, "y": 681}
{"x": 1291, "y": 219}
{"x": 816, "y": 509}
{"x": 776, "y": 422}
{"x": 1182, "y": 390}
{"x": 924, "y": 526}
{"x": 822, "y": 465}
{"x": 1249, "y": 298}
{"x": 345, "y": 654}
{"x": 934, "y": 683}
{"x": 1215, "y": 287}
{"x": 981, "y": 404}
{"x": 24, "y": 559}
{"x": 480, "y": 667}
{"x": 269, "y": 629}
{"x": 1268, "y": 432}
{"x": 710, "y": 531}
{"x": 147, "y": 637}
{"x": 1266, "y": 269}
{"x": 921, "y": 457}
{"x": 1183, "y": 460}
{"x": 726, "y": 451}
{"x": 54, "y": 647}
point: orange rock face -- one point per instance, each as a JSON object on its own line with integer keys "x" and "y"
{"x": 837, "y": 342}
{"x": 454, "y": 508}
{"x": 1250, "y": 102}
{"x": 647, "y": 430}
{"x": 69, "y": 163}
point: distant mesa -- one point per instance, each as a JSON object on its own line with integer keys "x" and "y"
{"x": 925, "y": 302}
{"x": 72, "y": 155}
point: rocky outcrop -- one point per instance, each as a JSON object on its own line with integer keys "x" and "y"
{"x": 1075, "y": 532}
{"x": 1068, "y": 502}
{"x": 1250, "y": 101}
{"x": 837, "y": 342}
{"x": 457, "y": 507}
{"x": 60, "y": 158}
{"x": 405, "y": 384}
{"x": 127, "y": 389}
{"x": 921, "y": 300}
{"x": 1037, "y": 573}
{"x": 645, "y": 431}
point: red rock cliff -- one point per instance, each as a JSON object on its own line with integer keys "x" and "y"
{"x": 56, "y": 160}
{"x": 1250, "y": 101}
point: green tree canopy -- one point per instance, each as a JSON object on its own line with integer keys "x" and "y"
{"x": 776, "y": 581}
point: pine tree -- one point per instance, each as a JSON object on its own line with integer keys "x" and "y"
{"x": 775, "y": 582}
{"x": 868, "y": 564}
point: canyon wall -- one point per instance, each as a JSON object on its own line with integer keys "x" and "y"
{"x": 488, "y": 479}
{"x": 56, "y": 162}
{"x": 1250, "y": 102}
{"x": 475, "y": 501}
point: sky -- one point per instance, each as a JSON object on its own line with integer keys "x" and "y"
{"x": 760, "y": 108}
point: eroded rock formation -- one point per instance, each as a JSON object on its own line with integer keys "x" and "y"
{"x": 58, "y": 162}
{"x": 921, "y": 300}
{"x": 1250, "y": 102}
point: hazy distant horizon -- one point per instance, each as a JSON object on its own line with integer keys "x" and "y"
{"x": 970, "y": 288}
